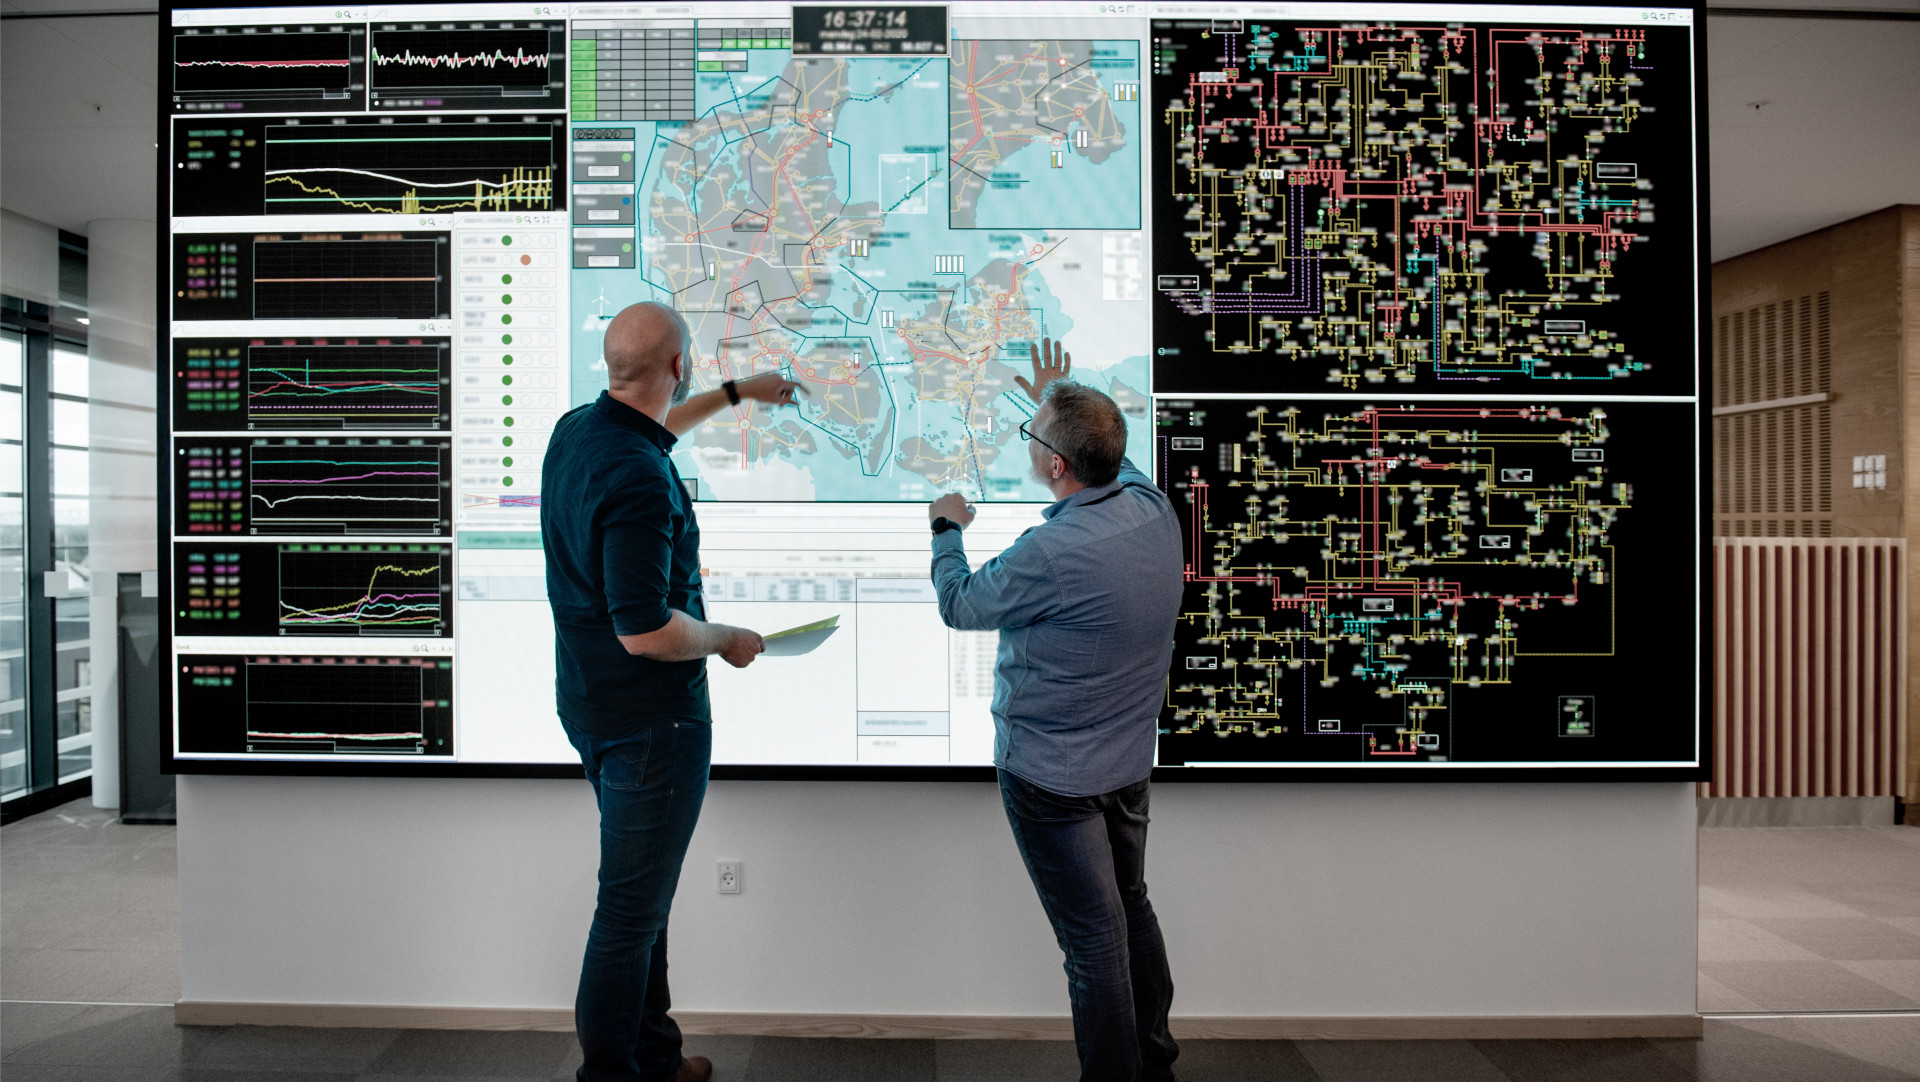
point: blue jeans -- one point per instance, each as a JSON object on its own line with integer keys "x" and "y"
{"x": 1088, "y": 857}
{"x": 649, "y": 785}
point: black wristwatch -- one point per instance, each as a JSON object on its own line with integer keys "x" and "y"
{"x": 943, "y": 524}
{"x": 733, "y": 393}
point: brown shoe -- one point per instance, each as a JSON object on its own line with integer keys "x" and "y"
{"x": 694, "y": 1069}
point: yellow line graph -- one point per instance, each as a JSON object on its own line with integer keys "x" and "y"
{"x": 528, "y": 188}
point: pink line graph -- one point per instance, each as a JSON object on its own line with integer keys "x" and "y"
{"x": 261, "y": 63}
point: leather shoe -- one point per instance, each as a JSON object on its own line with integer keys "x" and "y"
{"x": 694, "y": 1069}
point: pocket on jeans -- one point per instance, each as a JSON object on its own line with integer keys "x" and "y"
{"x": 1044, "y": 805}
{"x": 623, "y": 766}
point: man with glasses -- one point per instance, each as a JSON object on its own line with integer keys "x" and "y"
{"x": 1085, "y": 603}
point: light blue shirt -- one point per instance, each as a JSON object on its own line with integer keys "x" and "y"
{"x": 1085, "y": 604}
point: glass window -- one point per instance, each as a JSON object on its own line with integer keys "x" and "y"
{"x": 69, "y": 422}
{"x": 72, "y": 662}
{"x": 70, "y": 477}
{"x": 69, "y": 369}
{"x": 13, "y": 564}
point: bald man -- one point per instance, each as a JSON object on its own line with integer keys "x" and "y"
{"x": 623, "y": 577}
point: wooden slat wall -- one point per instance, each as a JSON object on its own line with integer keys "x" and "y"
{"x": 1809, "y": 667}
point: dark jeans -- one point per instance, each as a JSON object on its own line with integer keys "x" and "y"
{"x": 649, "y": 786}
{"x": 1088, "y": 859}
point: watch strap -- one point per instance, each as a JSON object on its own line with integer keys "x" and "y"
{"x": 733, "y": 393}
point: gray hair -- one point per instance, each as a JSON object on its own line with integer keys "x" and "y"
{"x": 1087, "y": 431}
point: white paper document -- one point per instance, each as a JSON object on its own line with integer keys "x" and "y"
{"x": 800, "y": 640}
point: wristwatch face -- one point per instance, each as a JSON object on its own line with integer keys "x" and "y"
{"x": 942, "y": 525}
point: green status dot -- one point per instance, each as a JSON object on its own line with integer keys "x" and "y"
{"x": 507, "y": 359}
{"x": 626, "y": 247}
{"x": 506, "y": 279}
{"x": 506, "y": 319}
{"x": 507, "y": 461}
{"x": 506, "y": 441}
{"x": 508, "y": 380}
{"x": 506, "y": 400}
{"x": 626, "y": 157}
{"x": 506, "y": 339}
{"x": 506, "y": 240}
{"x": 506, "y": 298}
{"x": 508, "y": 422}
{"x": 508, "y": 481}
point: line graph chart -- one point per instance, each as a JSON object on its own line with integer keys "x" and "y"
{"x": 348, "y": 486}
{"x": 283, "y": 68}
{"x": 364, "y": 589}
{"x": 364, "y": 385}
{"x": 462, "y": 67}
{"x": 340, "y": 704}
{"x": 306, "y": 383}
{"x": 413, "y": 168}
{"x": 365, "y": 276}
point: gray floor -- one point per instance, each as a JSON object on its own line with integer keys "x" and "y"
{"x": 1815, "y": 920}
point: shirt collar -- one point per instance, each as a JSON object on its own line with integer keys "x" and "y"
{"x": 1082, "y": 497}
{"x": 620, "y": 412}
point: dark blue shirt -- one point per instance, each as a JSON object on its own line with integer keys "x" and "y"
{"x": 623, "y": 551}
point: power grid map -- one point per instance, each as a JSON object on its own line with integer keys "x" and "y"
{"x": 1426, "y": 582}
{"x": 805, "y": 222}
{"x": 1427, "y": 207}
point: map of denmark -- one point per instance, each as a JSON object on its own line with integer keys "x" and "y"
{"x": 799, "y": 225}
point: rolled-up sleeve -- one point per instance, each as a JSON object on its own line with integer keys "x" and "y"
{"x": 637, "y": 557}
{"x": 1014, "y": 589}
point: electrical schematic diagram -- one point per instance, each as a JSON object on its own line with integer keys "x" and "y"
{"x": 1452, "y": 207}
{"x": 1434, "y": 582}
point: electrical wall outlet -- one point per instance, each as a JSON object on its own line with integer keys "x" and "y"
{"x": 728, "y": 872}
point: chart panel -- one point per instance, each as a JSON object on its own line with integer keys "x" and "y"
{"x": 223, "y": 384}
{"x": 313, "y": 589}
{"x": 1429, "y": 583}
{"x": 297, "y": 67}
{"x": 230, "y": 487}
{"x": 316, "y": 705}
{"x": 260, "y": 276}
{"x": 1424, "y": 206}
{"x": 437, "y": 66}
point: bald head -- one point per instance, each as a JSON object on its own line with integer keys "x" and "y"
{"x": 642, "y": 342}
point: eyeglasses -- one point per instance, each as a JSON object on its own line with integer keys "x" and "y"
{"x": 1026, "y": 434}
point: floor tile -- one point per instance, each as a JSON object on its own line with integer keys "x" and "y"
{"x": 66, "y": 975}
{"x": 1004, "y": 1061}
{"x": 728, "y": 1053}
{"x": 1901, "y": 976}
{"x": 1736, "y": 940}
{"x": 1804, "y": 986}
{"x": 794, "y": 1059}
{"x": 519, "y": 1054}
{"x": 294, "y": 1048}
{"x": 57, "y": 1072}
{"x": 1765, "y": 1050}
{"x": 24, "y": 1023}
{"x": 255, "y": 1074}
{"x": 1845, "y": 939}
{"x": 1582, "y": 1061}
{"x": 1890, "y": 1043}
{"x": 1242, "y": 1061}
{"x": 1711, "y": 995}
{"x": 1385, "y": 1061}
{"x": 1752, "y": 902}
{"x": 117, "y": 1037}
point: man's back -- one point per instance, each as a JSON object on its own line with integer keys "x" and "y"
{"x": 1085, "y": 604}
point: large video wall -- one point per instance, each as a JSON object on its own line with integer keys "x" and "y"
{"x": 1401, "y": 303}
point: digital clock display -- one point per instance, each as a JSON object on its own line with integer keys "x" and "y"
{"x": 869, "y": 30}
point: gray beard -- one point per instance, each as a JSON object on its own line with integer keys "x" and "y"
{"x": 682, "y": 388}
